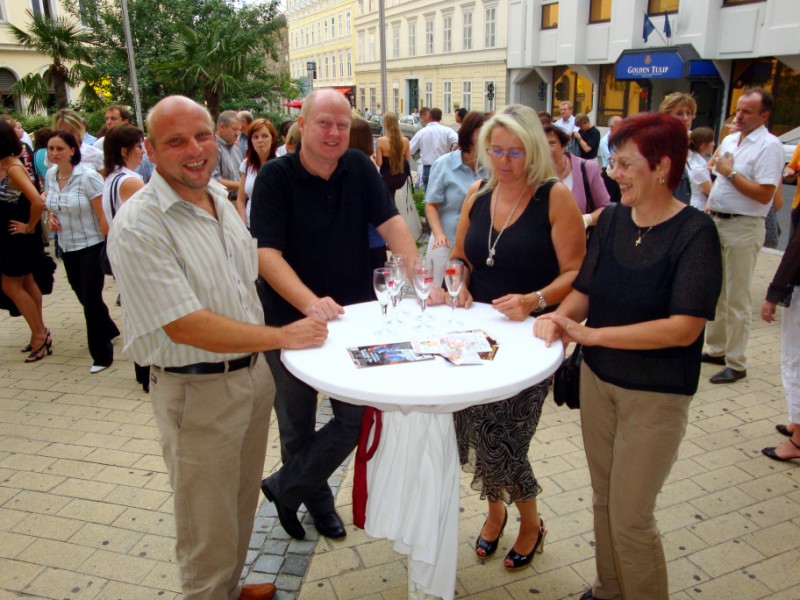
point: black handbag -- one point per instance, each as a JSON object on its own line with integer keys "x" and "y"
{"x": 566, "y": 381}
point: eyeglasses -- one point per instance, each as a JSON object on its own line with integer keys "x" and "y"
{"x": 622, "y": 165}
{"x": 512, "y": 154}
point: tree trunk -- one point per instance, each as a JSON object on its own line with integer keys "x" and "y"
{"x": 213, "y": 100}
{"x": 60, "y": 87}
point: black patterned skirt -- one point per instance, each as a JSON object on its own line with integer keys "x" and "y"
{"x": 493, "y": 441}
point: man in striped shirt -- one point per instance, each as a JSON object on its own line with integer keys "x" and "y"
{"x": 186, "y": 267}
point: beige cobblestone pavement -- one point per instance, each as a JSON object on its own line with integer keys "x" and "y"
{"x": 86, "y": 509}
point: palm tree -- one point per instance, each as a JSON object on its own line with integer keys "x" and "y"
{"x": 210, "y": 62}
{"x": 63, "y": 41}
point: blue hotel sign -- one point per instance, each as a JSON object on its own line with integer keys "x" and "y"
{"x": 677, "y": 62}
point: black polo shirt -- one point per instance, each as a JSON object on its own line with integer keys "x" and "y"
{"x": 320, "y": 226}
{"x": 592, "y": 137}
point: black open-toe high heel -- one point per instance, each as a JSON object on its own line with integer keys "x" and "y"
{"x": 28, "y": 348}
{"x": 38, "y": 354}
{"x": 489, "y": 547}
{"x": 520, "y": 561}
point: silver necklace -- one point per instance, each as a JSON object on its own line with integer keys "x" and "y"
{"x": 64, "y": 177}
{"x": 490, "y": 245}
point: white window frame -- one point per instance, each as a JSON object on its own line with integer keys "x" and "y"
{"x": 490, "y": 26}
{"x": 372, "y": 97}
{"x": 333, "y": 27}
{"x": 412, "y": 37}
{"x": 395, "y": 40}
{"x": 468, "y": 17}
{"x": 430, "y": 35}
{"x": 396, "y": 100}
{"x": 341, "y": 66}
{"x": 447, "y": 97}
{"x": 347, "y": 21}
{"x": 325, "y": 30}
{"x": 466, "y": 94}
{"x": 333, "y": 66}
{"x": 371, "y": 38}
{"x": 349, "y": 64}
{"x": 361, "y": 46}
{"x": 447, "y": 32}
{"x": 428, "y": 94}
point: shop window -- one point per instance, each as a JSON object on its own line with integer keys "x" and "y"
{"x": 659, "y": 7}
{"x": 572, "y": 87}
{"x": 777, "y": 78}
{"x": 620, "y": 98}
{"x": 599, "y": 11}
{"x": 550, "y": 15}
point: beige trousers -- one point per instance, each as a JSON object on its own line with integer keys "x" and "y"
{"x": 741, "y": 239}
{"x": 213, "y": 435}
{"x": 631, "y": 440}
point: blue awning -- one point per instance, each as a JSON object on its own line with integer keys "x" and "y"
{"x": 675, "y": 62}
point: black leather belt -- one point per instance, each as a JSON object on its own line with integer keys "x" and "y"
{"x": 720, "y": 215}
{"x": 212, "y": 368}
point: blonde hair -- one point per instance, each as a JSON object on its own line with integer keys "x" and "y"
{"x": 524, "y": 123}
{"x": 392, "y": 125}
{"x": 674, "y": 99}
{"x": 72, "y": 120}
{"x": 293, "y": 137}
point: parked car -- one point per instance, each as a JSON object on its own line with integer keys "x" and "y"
{"x": 376, "y": 124}
{"x": 790, "y": 139}
{"x": 409, "y": 125}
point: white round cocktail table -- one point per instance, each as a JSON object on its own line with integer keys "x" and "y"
{"x": 413, "y": 479}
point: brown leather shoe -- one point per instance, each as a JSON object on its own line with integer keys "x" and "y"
{"x": 258, "y": 591}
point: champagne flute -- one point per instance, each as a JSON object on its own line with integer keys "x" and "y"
{"x": 382, "y": 280}
{"x": 423, "y": 280}
{"x": 402, "y": 278}
{"x": 395, "y": 289}
{"x": 454, "y": 278}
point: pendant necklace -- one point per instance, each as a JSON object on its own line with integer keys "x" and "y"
{"x": 491, "y": 246}
{"x": 642, "y": 235}
{"x": 63, "y": 178}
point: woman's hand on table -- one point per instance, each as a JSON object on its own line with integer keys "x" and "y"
{"x": 305, "y": 333}
{"x": 324, "y": 309}
{"x": 513, "y": 306}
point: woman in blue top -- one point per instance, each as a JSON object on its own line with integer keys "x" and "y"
{"x": 450, "y": 178}
{"x": 74, "y": 199}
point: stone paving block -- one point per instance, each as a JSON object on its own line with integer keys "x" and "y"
{"x": 11, "y": 544}
{"x": 776, "y": 484}
{"x": 11, "y": 443}
{"x": 55, "y": 436}
{"x": 91, "y": 511}
{"x": 365, "y": 581}
{"x": 118, "y": 567}
{"x": 147, "y": 521}
{"x": 722, "y": 457}
{"x": 78, "y": 469}
{"x": 124, "y": 591}
{"x": 124, "y": 476}
{"x": 151, "y": 462}
{"x": 721, "y": 502}
{"x": 721, "y": 479}
{"x": 735, "y": 585}
{"x": 723, "y": 528}
{"x": 681, "y": 542}
{"x": 682, "y": 573}
{"x": 774, "y": 510}
{"x": 79, "y": 586}
{"x": 682, "y": 490}
{"x": 105, "y": 537}
{"x": 138, "y": 497}
{"x": 726, "y": 557}
{"x": 318, "y": 590}
{"x": 333, "y": 563}
{"x": 11, "y": 518}
{"x": 39, "y": 482}
{"x": 774, "y": 540}
{"x": 48, "y": 527}
{"x": 37, "y": 502}
{"x": 52, "y": 553}
{"x": 558, "y": 583}
{"x": 778, "y": 572}
{"x": 268, "y": 564}
{"x": 99, "y": 440}
{"x": 81, "y": 488}
{"x": 163, "y": 577}
{"x": 375, "y": 553}
{"x": 685, "y": 468}
{"x": 154, "y": 547}
{"x": 67, "y": 451}
{"x": 678, "y": 516}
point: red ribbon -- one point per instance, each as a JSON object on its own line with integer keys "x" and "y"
{"x": 363, "y": 456}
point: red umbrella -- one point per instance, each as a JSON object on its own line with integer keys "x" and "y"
{"x": 294, "y": 104}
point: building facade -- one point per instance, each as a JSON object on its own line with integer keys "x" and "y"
{"x": 17, "y": 62}
{"x": 321, "y": 44}
{"x": 592, "y": 53}
{"x": 449, "y": 54}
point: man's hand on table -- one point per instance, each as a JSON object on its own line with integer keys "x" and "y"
{"x": 305, "y": 333}
{"x": 324, "y": 309}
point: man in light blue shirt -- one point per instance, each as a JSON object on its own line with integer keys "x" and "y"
{"x": 603, "y": 154}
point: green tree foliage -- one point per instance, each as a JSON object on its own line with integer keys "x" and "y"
{"x": 67, "y": 46}
{"x": 204, "y": 49}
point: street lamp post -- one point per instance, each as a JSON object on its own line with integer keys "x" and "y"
{"x": 137, "y": 102}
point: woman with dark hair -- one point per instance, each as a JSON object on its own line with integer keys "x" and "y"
{"x": 40, "y": 137}
{"x": 262, "y": 144}
{"x": 649, "y": 283}
{"x": 283, "y": 132}
{"x": 21, "y": 241}
{"x": 450, "y": 178}
{"x": 520, "y": 234}
{"x": 74, "y": 199}
{"x": 123, "y": 152}
{"x": 361, "y": 139}
{"x": 581, "y": 176}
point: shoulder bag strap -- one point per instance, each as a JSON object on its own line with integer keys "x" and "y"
{"x": 587, "y": 190}
{"x": 115, "y": 195}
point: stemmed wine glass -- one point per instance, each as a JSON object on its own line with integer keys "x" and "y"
{"x": 396, "y": 289}
{"x": 423, "y": 280}
{"x": 401, "y": 276}
{"x": 382, "y": 280}
{"x": 454, "y": 278}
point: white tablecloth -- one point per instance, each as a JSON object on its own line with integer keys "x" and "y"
{"x": 413, "y": 479}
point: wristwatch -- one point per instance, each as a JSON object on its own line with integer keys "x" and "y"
{"x": 731, "y": 175}
{"x": 542, "y": 301}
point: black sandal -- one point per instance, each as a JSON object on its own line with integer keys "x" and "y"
{"x": 770, "y": 453}
{"x": 489, "y": 547}
{"x": 39, "y": 353}
{"x": 520, "y": 561}
{"x": 783, "y": 430}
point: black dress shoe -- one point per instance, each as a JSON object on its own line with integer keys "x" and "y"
{"x": 330, "y": 525}
{"x": 728, "y": 375}
{"x": 587, "y": 595}
{"x": 714, "y": 360}
{"x": 287, "y": 516}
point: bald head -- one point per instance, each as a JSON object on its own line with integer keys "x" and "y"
{"x": 328, "y": 97}
{"x": 168, "y": 108}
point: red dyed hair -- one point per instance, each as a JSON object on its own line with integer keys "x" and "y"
{"x": 656, "y": 135}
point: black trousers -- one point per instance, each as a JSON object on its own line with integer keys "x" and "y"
{"x": 87, "y": 279}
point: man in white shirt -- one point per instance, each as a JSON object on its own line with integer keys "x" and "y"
{"x": 432, "y": 141}
{"x": 748, "y": 169}
{"x": 567, "y": 120}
